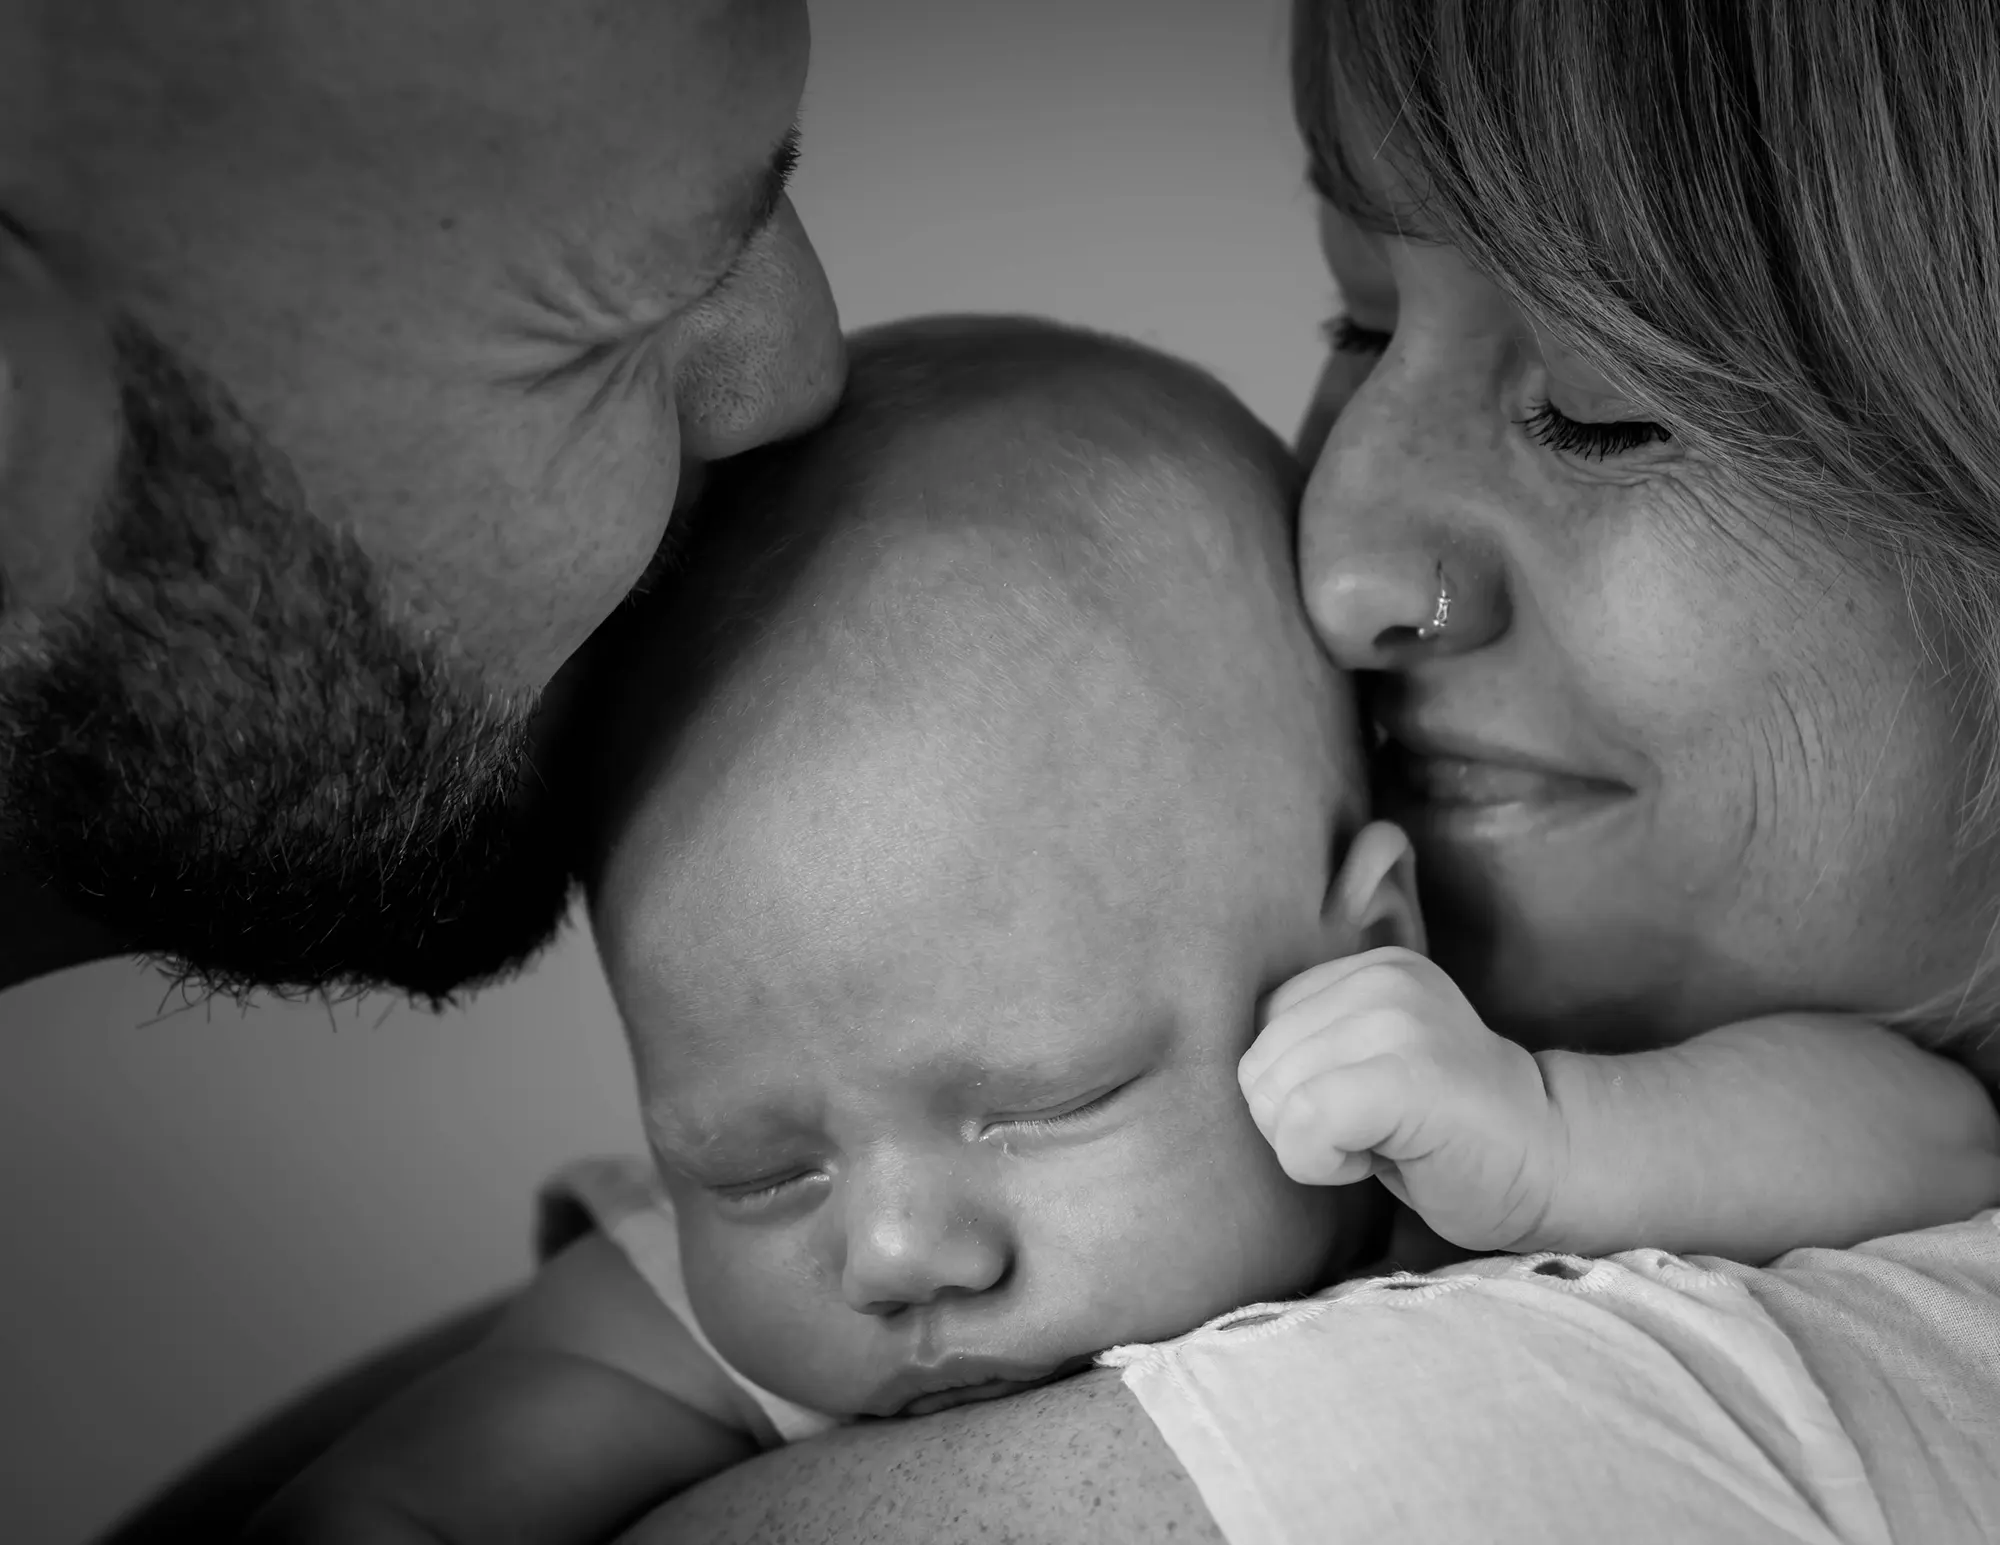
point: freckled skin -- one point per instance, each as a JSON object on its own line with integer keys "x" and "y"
{"x": 1789, "y": 733}
{"x": 1075, "y": 1464}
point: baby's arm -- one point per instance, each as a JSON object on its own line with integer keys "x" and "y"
{"x": 1797, "y": 1129}
{"x": 589, "y": 1404}
{"x": 1745, "y": 1142}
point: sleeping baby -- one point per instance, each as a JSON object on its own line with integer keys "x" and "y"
{"x": 978, "y": 850}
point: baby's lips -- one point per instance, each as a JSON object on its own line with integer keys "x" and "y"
{"x": 918, "y": 1390}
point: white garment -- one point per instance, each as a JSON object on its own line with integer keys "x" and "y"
{"x": 625, "y": 1202}
{"x": 1838, "y": 1397}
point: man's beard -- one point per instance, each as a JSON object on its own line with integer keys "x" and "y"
{"x": 233, "y": 759}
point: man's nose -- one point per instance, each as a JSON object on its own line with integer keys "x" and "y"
{"x": 1394, "y": 564}
{"x": 762, "y": 357}
{"x": 913, "y": 1238}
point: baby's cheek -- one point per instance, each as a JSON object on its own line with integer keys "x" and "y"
{"x": 764, "y": 1310}
{"x": 1197, "y": 1238}
{"x": 1259, "y": 1234}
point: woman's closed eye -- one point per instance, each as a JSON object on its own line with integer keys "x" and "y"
{"x": 1593, "y": 440}
{"x": 1344, "y": 335}
{"x": 1546, "y": 424}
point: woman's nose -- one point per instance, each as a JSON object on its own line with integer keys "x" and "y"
{"x": 910, "y": 1242}
{"x": 1393, "y": 567}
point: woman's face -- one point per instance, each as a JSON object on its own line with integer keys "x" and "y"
{"x": 1673, "y": 758}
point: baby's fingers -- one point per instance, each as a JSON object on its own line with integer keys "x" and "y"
{"x": 1347, "y": 1040}
{"x": 1327, "y": 1129}
{"x": 1290, "y": 994}
{"x": 1303, "y": 1006}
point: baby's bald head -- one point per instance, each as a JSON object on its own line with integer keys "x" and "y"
{"x": 1010, "y": 648}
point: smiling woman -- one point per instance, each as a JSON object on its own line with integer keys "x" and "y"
{"x": 1691, "y": 419}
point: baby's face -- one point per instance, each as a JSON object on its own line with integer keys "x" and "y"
{"x": 937, "y": 1028}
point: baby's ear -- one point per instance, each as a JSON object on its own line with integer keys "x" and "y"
{"x": 1373, "y": 900}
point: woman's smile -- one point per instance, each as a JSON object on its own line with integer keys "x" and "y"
{"x": 1466, "y": 790}
{"x": 1627, "y": 759}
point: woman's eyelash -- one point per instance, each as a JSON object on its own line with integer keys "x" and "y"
{"x": 1549, "y": 426}
{"x": 1346, "y": 336}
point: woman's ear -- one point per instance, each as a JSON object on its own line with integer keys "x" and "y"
{"x": 1373, "y": 900}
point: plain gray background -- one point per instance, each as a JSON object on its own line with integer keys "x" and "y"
{"x": 206, "y": 1207}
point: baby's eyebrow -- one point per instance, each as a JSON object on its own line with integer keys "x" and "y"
{"x": 1056, "y": 1075}
{"x": 746, "y": 1138}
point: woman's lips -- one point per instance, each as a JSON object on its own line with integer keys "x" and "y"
{"x": 1457, "y": 780}
{"x": 1443, "y": 782}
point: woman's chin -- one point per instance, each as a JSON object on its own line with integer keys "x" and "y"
{"x": 1547, "y": 914}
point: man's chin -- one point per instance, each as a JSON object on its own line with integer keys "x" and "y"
{"x": 254, "y": 930}
{"x": 282, "y": 875}
{"x": 233, "y": 756}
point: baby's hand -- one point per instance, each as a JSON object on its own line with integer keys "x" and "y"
{"x": 1376, "y": 1065}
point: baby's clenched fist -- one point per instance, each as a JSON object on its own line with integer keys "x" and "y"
{"x": 1377, "y": 1065}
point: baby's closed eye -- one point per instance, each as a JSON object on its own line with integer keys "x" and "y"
{"x": 1074, "y": 1113}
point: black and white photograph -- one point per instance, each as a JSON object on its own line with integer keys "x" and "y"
{"x": 1062, "y": 772}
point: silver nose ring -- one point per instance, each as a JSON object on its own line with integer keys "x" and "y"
{"x": 1440, "y": 614}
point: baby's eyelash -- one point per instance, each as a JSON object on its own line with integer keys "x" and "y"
{"x": 1549, "y": 426}
{"x": 1346, "y": 336}
{"x": 1064, "y": 1118}
{"x": 755, "y": 1193}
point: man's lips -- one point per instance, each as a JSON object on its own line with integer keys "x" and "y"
{"x": 958, "y": 1381}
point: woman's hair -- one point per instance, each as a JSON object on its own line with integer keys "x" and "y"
{"x": 1775, "y": 224}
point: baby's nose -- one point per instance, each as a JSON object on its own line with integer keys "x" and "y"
{"x": 906, "y": 1247}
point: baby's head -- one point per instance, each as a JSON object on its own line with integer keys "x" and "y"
{"x": 962, "y": 799}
